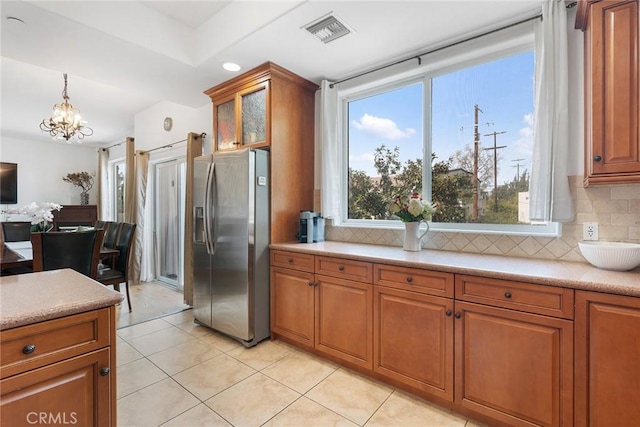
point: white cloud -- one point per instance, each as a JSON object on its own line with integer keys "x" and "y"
{"x": 524, "y": 144}
{"x": 383, "y": 128}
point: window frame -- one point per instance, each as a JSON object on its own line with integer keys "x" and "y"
{"x": 501, "y": 44}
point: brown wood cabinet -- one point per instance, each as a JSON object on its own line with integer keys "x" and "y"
{"x": 612, "y": 90}
{"x": 330, "y": 312}
{"x": 413, "y": 340}
{"x": 60, "y": 371}
{"x": 74, "y": 215}
{"x": 515, "y": 366}
{"x": 607, "y": 360}
{"x": 502, "y": 350}
{"x": 272, "y": 108}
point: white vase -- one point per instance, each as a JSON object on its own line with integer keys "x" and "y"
{"x": 413, "y": 237}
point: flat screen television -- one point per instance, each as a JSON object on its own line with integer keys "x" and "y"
{"x": 8, "y": 183}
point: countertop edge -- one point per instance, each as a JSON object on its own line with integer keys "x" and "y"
{"x": 565, "y": 274}
{"x": 31, "y": 298}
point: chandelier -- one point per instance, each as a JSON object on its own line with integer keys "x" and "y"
{"x": 66, "y": 122}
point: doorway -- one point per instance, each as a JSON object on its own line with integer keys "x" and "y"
{"x": 170, "y": 182}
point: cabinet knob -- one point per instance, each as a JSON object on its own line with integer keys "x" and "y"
{"x": 447, "y": 313}
{"x": 507, "y": 294}
{"x": 597, "y": 158}
{"x": 409, "y": 279}
{"x": 104, "y": 371}
{"x": 311, "y": 284}
{"x": 28, "y": 349}
{"x": 458, "y": 315}
{"x": 341, "y": 268}
{"x": 236, "y": 143}
{"x": 290, "y": 260}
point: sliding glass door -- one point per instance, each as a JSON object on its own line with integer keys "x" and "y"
{"x": 169, "y": 221}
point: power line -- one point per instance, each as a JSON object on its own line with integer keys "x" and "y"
{"x": 495, "y": 149}
{"x": 517, "y": 165}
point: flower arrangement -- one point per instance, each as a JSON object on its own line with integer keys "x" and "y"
{"x": 412, "y": 208}
{"x": 83, "y": 180}
{"x": 40, "y": 214}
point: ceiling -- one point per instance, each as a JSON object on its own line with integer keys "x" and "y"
{"x": 123, "y": 57}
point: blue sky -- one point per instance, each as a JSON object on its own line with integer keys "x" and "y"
{"x": 503, "y": 89}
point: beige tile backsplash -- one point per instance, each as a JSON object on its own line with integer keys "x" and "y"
{"x": 616, "y": 209}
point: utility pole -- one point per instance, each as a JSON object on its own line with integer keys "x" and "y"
{"x": 476, "y": 145}
{"x": 517, "y": 165}
{"x": 495, "y": 166}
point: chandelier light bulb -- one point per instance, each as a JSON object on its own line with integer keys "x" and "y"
{"x": 66, "y": 122}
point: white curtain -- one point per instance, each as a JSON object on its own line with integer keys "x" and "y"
{"x": 104, "y": 201}
{"x": 140, "y": 191}
{"x": 330, "y": 153}
{"x": 549, "y": 195}
{"x": 147, "y": 262}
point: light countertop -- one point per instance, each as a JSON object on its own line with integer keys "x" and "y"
{"x": 36, "y": 297}
{"x": 566, "y": 274}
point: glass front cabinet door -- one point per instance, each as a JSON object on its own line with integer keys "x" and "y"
{"x": 241, "y": 119}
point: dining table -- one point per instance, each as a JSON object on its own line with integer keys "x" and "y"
{"x": 19, "y": 254}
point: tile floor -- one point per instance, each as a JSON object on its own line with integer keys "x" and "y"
{"x": 172, "y": 372}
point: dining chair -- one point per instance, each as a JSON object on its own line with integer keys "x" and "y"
{"x": 111, "y": 234}
{"x": 16, "y": 231}
{"x": 100, "y": 224}
{"x": 79, "y": 250}
{"x": 119, "y": 273}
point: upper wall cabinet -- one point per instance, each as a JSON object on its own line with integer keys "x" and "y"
{"x": 272, "y": 108}
{"x": 612, "y": 135}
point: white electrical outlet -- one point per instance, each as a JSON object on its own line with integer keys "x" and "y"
{"x": 590, "y": 231}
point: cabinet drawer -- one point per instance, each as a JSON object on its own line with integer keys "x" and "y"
{"x": 345, "y": 269}
{"x": 413, "y": 279}
{"x": 32, "y": 346}
{"x": 538, "y": 299}
{"x": 294, "y": 260}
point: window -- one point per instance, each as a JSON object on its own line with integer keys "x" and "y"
{"x": 119, "y": 174}
{"x": 460, "y": 134}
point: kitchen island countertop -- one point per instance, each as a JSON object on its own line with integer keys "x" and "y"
{"x": 31, "y": 298}
{"x": 566, "y": 274}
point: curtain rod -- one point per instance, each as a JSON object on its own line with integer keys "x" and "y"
{"x": 418, "y": 56}
{"x": 114, "y": 145}
{"x": 203, "y": 134}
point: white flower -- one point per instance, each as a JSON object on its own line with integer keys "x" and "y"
{"x": 415, "y": 207}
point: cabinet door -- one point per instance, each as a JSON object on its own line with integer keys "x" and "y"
{"x": 224, "y": 123}
{"x": 611, "y": 111}
{"x": 69, "y": 392}
{"x": 413, "y": 340}
{"x": 607, "y": 360}
{"x": 292, "y": 307}
{"x": 344, "y": 320}
{"x": 514, "y": 367}
{"x": 255, "y": 123}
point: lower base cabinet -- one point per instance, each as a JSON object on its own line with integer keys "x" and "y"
{"x": 607, "y": 360}
{"x": 508, "y": 352}
{"x": 514, "y": 367}
{"x": 60, "y": 371}
{"x": 413, "y": 340}
{"x": 344, "y": 320}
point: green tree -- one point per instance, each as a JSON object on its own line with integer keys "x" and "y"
{"x": 507, "y": 212}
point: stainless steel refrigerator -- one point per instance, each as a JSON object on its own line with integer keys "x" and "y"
{"x": 231, "y": 244}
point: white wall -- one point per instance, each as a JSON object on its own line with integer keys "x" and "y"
{"x": 41, "y": 166}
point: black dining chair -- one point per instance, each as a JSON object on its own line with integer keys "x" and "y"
{"x": 16, "y": 231}
{"x": 100, "y": 224}
{"x": 79, "y": 250}
{"x": 111, "y": 230}
{"x": 119, "y": 273}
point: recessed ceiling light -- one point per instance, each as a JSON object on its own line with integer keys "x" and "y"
{"x": 230, "y": 66}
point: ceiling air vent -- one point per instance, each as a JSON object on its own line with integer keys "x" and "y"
{"x": 328, "y": 28}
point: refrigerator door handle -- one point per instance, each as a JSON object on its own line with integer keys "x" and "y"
{"x": 210, "y": 201}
